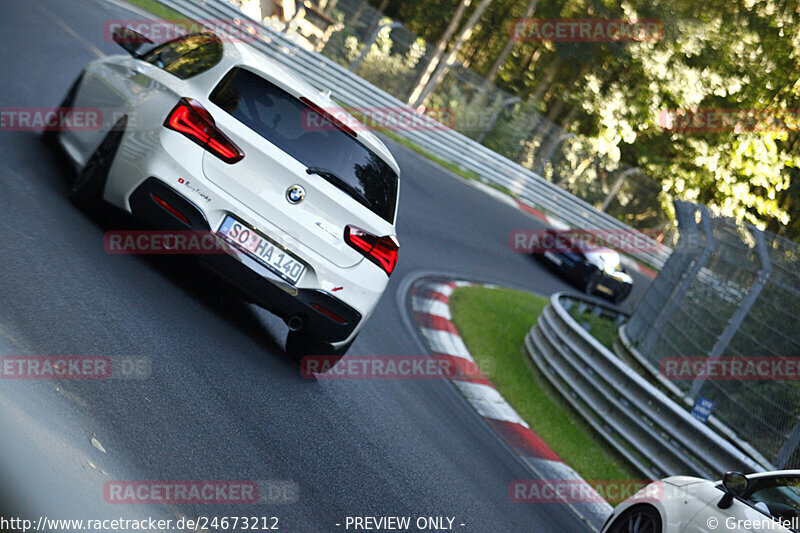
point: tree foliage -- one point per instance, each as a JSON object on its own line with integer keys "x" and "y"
{"x": 714, "y": 54}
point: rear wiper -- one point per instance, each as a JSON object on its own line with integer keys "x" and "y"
{"x": 339, "y": 182}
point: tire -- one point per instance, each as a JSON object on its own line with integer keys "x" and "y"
{"x": 621, "y": 295}
{"x": 50, "y": 136}
{"x": 300, "y": 344}
{"x": 637, "y": 519}
{"x": 592, "y": 283}
{"x": 87, "y": 189}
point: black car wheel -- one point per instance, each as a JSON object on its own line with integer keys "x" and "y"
{"x": 51, "y": 134}
{"x": 639, "y": 519}
{"x": 592, "y": 282}
{"x": 87, "y": 189}
{"x": 623, "y": 293}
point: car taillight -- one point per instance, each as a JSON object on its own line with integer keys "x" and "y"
{"x": 380, "y": 250}
{"x": 195, "y": 122}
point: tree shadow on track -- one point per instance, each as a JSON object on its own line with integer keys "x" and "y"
{"x": 205, "y": 288}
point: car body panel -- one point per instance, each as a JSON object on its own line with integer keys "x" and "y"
{"x": 689, "y": 504}
{"x": 604, "y": 264}
{"x": 313, "y": 231}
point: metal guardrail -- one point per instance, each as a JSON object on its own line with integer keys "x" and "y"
{"x": 444, "y": 143}
{"x": 658, "y": 436}
{"x": 624, "y": 348}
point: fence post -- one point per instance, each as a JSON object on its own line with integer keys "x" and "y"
{"x": 297, "y": 13}
{"x": 552, "y": 148}
{"x": 789, "y": 446}
{"x": 683, "y": 286}
{"x": 616, "y": 187}
{"x": 641, "y": 322}
{"x": 508, "y": 102}
{"x": 372, "y": 38}
{"x": 744, "y": 306}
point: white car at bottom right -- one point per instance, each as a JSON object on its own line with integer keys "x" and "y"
{"x": 766, "y": 501}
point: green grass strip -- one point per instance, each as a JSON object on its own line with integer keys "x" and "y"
{"x": 158, "y": 9}
{"x": 493, "y": 323}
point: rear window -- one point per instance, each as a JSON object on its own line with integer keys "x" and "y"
{"x": 279, "y": 117}
{"x": 187, "y": 56}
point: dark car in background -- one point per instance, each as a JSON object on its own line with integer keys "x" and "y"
{"x": 598, "y": 271}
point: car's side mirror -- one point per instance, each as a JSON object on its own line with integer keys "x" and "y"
{"x": 735, "y": 484}
{"x": 131, "y": 41}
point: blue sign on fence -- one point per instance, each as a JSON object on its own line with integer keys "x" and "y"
{"x": 702, "y": 409}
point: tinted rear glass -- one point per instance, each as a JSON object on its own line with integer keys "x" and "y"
{"x": 187, "y": 56}
{"x": 279, "y": 117}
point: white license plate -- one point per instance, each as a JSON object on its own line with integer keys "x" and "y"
{"x": 553, "y": 257}
{"x": 262, "y": 249}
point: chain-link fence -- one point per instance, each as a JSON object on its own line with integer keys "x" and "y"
{"x": 730, "y": 291}
{"x": 394, "y": 59}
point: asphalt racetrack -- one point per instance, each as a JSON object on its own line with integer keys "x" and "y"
{"x": 223, "y": 402}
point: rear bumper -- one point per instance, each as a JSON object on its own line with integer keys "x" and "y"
{"x": 579, "y": 274}
{"x": 614, "y": 287}
{"x": 252, "y": 278}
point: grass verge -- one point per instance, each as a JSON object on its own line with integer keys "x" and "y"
{"x": 158, "y": 9}
{"x": 493, "y": 323}
{"x": 452, "y": 167}
{"x": 602, "y": 328}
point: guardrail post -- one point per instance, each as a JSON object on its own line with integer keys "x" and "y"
{"x": 744, "y": 307}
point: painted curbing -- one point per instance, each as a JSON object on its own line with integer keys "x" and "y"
{"x": 431, "y": 311}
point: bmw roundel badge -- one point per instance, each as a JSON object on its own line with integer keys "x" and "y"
{"x": 295, "y": 194}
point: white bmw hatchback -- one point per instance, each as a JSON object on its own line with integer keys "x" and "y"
{"x": 201, "y": 134}
{"x": 766, "y": 501}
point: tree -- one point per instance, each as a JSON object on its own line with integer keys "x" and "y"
{"x": 501, "y": 59}
{"x": 440, "y": 48}
{"x": 441, "y": 69}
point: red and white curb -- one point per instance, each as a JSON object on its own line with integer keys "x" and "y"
{"x": 431, "y": 311}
